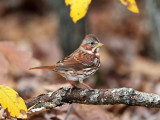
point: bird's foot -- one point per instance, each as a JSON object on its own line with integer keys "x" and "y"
{"x": 72, "y": 85}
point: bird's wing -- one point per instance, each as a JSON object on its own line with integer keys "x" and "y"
{"x": 75, "y": 62}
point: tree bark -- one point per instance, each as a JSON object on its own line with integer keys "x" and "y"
{"x": 127, "y": 96}
{"x": 70, "y": 34}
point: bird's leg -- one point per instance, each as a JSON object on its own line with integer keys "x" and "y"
{"x": 71, "y": 83}
{"x": 87, "y": 86}
{"x": 73, "y": 86}
{"x": 71, "y": 106}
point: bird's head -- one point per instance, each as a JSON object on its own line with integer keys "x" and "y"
{"x": 91, "y": 44}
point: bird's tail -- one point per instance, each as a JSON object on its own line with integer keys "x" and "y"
{"x": 43, "y": 67}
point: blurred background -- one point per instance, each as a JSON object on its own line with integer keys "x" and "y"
{"x": 41, "y": 32}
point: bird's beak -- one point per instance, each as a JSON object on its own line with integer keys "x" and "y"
{"x": 99, "y": 45}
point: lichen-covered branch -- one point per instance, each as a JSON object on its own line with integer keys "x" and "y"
{"x": 62, "y": 96}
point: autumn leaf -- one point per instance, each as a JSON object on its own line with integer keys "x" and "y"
{"x": 131, "y": 5}
{"x": 78, "y": 8}
{"x": 10, "y": 100}
{"x": 20, "y": 58}
{"x": 90, "y": 113}
{"x": 3, "y": 64}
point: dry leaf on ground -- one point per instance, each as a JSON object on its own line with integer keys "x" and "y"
{"x": 89, "y": 112}
{"x": 22, "y": 59}
{"x": 10, "y": 100}
{"x": 145, "y": 66}
{"x": 55, "y": 87}
{"x": 3, "y": 64}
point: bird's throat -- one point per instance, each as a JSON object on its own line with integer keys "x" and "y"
{"x": 93, "y": 51}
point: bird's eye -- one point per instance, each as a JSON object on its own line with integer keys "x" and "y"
{"x": 92, "y": 43}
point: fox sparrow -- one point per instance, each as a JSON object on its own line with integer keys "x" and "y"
{"x": 81, "y": 64}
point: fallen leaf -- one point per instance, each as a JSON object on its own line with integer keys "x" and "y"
{"x": 10, "y": 100}
{"x": 1, "y": 113}
{"x": 3, "y": 80}
{"x": 89, "y": 112}
{"x": 146, "y": 67}
{"x": 55, "y": 87}
{"x": 21, "y": 58}
{"x": 3, "y": 64}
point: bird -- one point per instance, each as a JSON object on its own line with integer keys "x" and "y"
{"x": 80, "y": 64}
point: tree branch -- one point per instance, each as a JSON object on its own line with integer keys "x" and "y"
{"x": 114, "y": 96}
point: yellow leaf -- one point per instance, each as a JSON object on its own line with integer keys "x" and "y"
{"x": 10, "y": 100}
{"x": 78, "y": 8}
{"x": 131, "y": 5}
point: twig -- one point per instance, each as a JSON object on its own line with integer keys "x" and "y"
{"x": 69, "y": 111}
{"x": 62, "y": 96}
